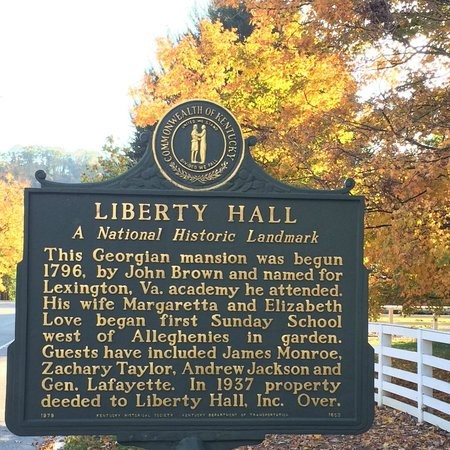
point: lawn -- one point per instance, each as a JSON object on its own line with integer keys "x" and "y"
{"x": 418, "y": 321}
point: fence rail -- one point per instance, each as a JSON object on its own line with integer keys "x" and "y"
{"x": 418, "y": 387}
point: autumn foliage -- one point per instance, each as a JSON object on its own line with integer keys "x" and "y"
{"x": 331, "y": 89}
{"x": 335, "y": 89}
{"x": 11, "y": 231}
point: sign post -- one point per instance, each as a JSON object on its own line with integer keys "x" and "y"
{"x": 193, "y": 299}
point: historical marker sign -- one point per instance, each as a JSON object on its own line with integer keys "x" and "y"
{"x": 193, "y": 296}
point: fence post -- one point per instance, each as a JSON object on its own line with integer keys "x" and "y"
{"x": 383, "y": 361}
{"x": 424, "y": 347}
{"x": 435, "y": 321}
{"x": 391, "y": 315}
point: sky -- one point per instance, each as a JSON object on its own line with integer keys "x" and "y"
{"x": 66, "y": 66}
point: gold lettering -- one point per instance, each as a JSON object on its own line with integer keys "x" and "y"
{"x": 271, "y": 215}
{"x": 159, "y": 212}
{"x": 78, "y": 233}
{"x": 59, "y": 386}
{"x": 74, "y": 402}
{"x": 119, "y": 322}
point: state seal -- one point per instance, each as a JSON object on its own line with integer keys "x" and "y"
{"x": 198, "y": 145}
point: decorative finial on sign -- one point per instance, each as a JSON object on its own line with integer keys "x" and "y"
{"x": 349, "y": 184}
{"x": 251, "y": 141}
{"x": 40, "y": 176}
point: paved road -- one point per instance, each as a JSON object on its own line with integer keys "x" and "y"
{"x": 9, "y": 441}
{"x": 7, "y": 314}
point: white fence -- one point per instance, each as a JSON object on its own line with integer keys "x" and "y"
{"x": 416, "y": 392}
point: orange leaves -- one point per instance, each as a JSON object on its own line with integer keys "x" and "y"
{"x": 326, "y": 88}
{"x": 410, "y": 251}
{"x": 278, "y": 90}
{"x": 335, "y": 11}
{"x": 11, "y": 227}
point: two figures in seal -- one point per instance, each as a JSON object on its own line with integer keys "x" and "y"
{"x": 198, "y": 144}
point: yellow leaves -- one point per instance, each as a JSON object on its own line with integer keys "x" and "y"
{"x": 289, "y": 84}
{"x": 279, "y": 80}
{"x": 278, "y": 92}
{"x": 265, "y": 80}
{"x": 11, "y": 226}
{"x": 344, "y": 136}
{"x": 193, "y": 67}
{"x": 414, "y": 248}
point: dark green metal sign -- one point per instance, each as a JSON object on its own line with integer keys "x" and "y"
{"x": 192, "y": 297}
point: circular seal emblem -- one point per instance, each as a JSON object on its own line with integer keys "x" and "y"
{"x": 198, "y": 145}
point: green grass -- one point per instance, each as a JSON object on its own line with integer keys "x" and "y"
{"x": 403, "y": 343}
{"x": 418, "y": 321}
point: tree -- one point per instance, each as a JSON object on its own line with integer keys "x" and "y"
{"x": 23, "y": 162}
{"x": 235, "y": 17}
{"x": 336, "y": 89}
{"x": 115, "y": 162}
{"x": 398, "y": 139}
{"x": 11, "y": 232}
{"x": 17, "y": 168}
{"x": 138, "y": 145}
{"x": 280, "y": 92}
